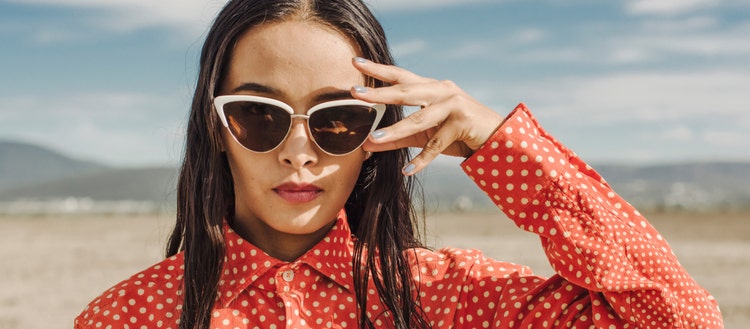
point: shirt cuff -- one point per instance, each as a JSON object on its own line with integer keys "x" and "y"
{"x": 517, "y": 162}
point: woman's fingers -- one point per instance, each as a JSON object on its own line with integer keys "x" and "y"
{"x": 373, "y": 144}
{"x": 388, "y": 73}
{"x": 436, "y": 145}
{"x": 449, "y": 121}
{"x": 410, "y": 94}
{"x": 414, "y": 131}
{"x": 428, "y": 129}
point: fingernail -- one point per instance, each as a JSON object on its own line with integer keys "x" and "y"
{"x": 409, "y": 168}
{"x": 378, "y": 134}
{"x": 360, "y": 89}
{"x": 360, "y": 60}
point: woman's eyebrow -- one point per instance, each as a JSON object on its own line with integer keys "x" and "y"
{"x": 320, "y": 98}
{"x": 256, "y": 87}
{"x": 333, "y": 96}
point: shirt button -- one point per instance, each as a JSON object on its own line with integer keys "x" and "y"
{"x": 288, "y": 275}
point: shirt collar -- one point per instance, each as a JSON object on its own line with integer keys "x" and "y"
{"x": 244, "y": 262}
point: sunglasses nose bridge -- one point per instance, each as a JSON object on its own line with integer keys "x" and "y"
{"x": 308, "y": 130}
{"x": 300, "y": 117}
{"x": 306, "y": 125}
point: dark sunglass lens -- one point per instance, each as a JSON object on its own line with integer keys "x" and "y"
{"x": 257, "y": 126}
{"x": 341, "y": 129}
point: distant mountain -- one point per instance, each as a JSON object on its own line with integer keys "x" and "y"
{"x": 717, "y": 185}
{"x": 155, "y": 184}
{"x": 22, "y": 163}
{"x": 32, "y": 173}
{"x": 446, "y": 187}
{"x": 722, "y": 186}
{"x": 709, "y": 173}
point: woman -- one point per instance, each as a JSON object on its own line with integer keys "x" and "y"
{"x": 293, "y": 212}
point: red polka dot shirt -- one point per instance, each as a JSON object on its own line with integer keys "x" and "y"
{"x": 613, "y": 268}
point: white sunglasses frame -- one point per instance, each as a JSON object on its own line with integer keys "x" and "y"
{"x": 220, "y": 101}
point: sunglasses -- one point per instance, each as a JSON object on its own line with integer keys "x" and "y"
{"x": 261, "y": 124}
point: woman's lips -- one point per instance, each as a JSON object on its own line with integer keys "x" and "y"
{"x": 297, "y": 193}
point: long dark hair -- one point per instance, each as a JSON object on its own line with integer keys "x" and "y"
{"x": 380, "y": 209}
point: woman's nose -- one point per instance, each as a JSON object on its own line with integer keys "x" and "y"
{"x": 298, "y": 150}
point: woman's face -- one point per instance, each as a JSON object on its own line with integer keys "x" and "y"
{"x": 294, "y": 192}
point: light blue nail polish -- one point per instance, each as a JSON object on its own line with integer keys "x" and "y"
{"x": 409, "y": 168}
{"x": 360, "y": 89}
{"x": 378, "y": 134}
{"x": 360, "y": 60}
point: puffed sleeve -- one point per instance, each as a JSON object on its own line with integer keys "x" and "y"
{"x": 614, "y": 270}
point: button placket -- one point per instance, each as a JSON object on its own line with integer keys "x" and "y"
{"x": 284, "y": 279}
{"x": 288, "y": 275}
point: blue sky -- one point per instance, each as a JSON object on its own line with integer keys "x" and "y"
{"x": 636, "y": 81}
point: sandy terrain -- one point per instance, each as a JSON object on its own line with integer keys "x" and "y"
{"x": 52, "y": 267}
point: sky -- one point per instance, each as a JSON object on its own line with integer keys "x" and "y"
{"x": 625, "y": 81}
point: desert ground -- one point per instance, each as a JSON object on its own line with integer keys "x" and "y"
{"x": 53, "y": 266}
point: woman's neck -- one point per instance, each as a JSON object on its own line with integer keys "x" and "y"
{"x": 283, "y": 246}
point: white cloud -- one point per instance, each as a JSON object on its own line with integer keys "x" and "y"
{"x": 636, "y": 117}
{"x": 725, "y": 43}
{"x": 648, "y": 41}
{"x": 679, "y": 133}
{"x": 624, "y": 55}
{"x": 556, "y": 55}
{"x": 670, "y": 39}
{"x": 667, "y": 7}
{"x": 194, "y": 16}
{"x": 648, "y": 96}
{"x": 727, "y": 138}
{"x": 470, "y": 49}
{"x": 653, "y": 42}
{"x": 671, "y": 99}
{"x": 56, "y": 36}
{"x": 529, "y": 35}
{"x": 189, "y": 16}
{"x": 679, "y": 25}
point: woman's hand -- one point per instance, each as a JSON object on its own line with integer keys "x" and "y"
{"x": 449, "y": 122}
